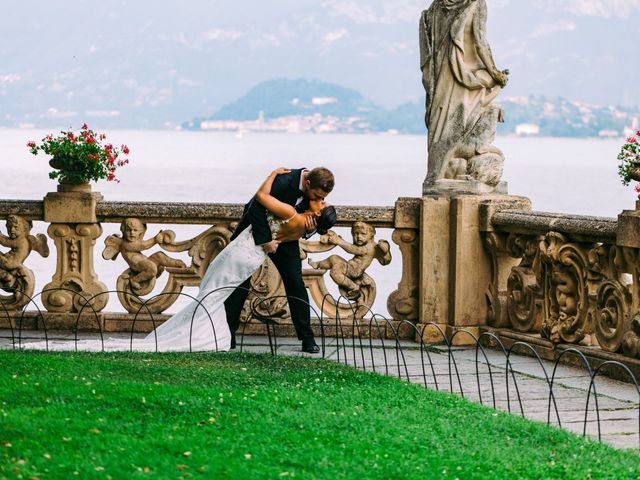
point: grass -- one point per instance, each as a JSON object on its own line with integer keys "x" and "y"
{"x": 123, "y": 415}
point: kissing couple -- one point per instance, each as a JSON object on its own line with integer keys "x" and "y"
{"x": 289, "y": 205}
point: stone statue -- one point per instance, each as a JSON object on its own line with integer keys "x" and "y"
{"x": 14, "y": 276}
{"x": 349, "y": 275}
{"x": 144, "y": 270}
{"x": 461, "y": 80}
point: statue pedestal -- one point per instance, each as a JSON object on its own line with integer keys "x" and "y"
{"x": 455, "y": 188}
{"x": 455, "y": 273}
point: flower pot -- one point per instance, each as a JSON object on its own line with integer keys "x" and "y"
{"x": 67, "y": 186}
{"x": 55, "y": 163}
{"x": 634, "y": 172}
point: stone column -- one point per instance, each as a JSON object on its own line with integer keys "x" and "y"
{"x": 74, "y": 229}
{"x": 456, "y": 271}
{"x": 434, "y": 266}
{"x": 628, "y": 239}
{"x": 403, "y": 302}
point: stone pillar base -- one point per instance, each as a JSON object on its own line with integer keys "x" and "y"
{"x": 455, "y": 188}
{"x": 436, "y": 335}
{"x": 455, "y": 274}
{"x": 431, "y": 333}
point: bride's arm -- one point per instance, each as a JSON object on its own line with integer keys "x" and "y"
{"x": 279, "y": 209}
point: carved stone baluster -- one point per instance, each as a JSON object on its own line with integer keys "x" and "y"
{"x": 566, "y": 289}
{"x": 524, "y": 284}
{"x": 501, "y": 266}
{"x": 74, "y": 229}
{"x": 74, "y": 270}
{"x": 403, "y": 302}
{"x": 610, "y": 297}
{"x": 267, "y": 297}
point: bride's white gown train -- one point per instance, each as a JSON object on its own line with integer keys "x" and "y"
{"x": 202, "y": 324}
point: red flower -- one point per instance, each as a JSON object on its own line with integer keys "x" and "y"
{"x": 637, "y": 187}
{"x": 88, "y": 157}
{"x": 631, "y": 140}
{"x": 638, "y": 133}
{"x": 125, "y": 149}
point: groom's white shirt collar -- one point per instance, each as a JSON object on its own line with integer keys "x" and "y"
{"x": 299, "y": 199}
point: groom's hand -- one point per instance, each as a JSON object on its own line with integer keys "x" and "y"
{"x": 271, "y": 247}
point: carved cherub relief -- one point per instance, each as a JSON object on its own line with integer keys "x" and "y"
{"x": 563, "y": 296}
{"x": 13, "y": 274}
{"x": 144, "y": 270}
{"x": 566, "y": 291}
{"x": 349, "y": 275}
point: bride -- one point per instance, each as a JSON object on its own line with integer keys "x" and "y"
{"x": 202, "y": 324}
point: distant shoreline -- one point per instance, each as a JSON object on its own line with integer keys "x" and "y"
{"x": 243, "y": 133}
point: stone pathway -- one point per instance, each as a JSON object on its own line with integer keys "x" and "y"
{"x": 618, "y": 402}
{"x": 489, "y": 382}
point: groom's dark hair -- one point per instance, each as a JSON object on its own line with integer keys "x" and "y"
{"x": 326, "y": 220}
{"x": 321, "y": 178}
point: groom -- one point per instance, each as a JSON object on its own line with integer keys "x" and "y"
{"x": 295, "y": 188}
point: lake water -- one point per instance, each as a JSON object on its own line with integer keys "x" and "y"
{"x": 559, "y": 175}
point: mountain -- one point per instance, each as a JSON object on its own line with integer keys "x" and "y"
{"x": 282, "y": 97}
{"x": 302, "y": 105}
{"x": 561, "y": 117}
{"x": 149, "y": 64}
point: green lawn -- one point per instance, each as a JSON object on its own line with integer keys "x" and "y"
{"x": 239, "y": 416}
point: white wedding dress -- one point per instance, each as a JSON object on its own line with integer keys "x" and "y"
{"x": 201, "y": 325}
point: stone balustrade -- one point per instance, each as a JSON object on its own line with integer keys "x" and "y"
{"x": 572, "y": 280}
{"x": 154, "y": 281}
{"x": 472, "y": 262}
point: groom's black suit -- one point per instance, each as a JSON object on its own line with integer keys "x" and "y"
{"x": 286, "y": 188}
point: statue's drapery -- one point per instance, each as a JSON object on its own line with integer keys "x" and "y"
{"x": 458, "y": 74}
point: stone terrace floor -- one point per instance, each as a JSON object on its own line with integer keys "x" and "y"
{"x": 618, "y": 402}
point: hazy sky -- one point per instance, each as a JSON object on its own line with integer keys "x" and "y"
{"x": 173, "y": 60}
